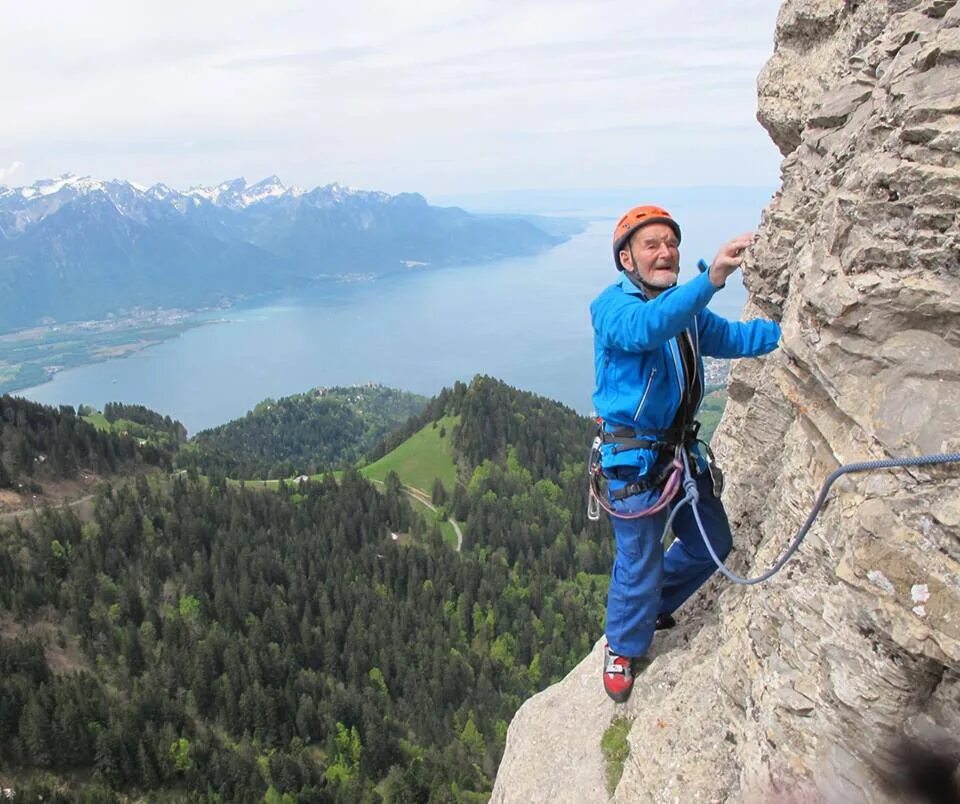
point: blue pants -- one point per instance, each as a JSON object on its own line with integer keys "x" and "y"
{"x": 645, "y": 582}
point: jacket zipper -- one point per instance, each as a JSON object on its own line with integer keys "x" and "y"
{"x": 695, "y": 342}
{"x": 696, "y": 362}
{"x": 653, "y": 373}
{"x": 678, "y": 364}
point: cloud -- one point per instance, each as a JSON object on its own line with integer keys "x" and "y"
{"x": 318, "y": 58}
{"x": 9, "y": 171}
{"x": 425, "y": 96}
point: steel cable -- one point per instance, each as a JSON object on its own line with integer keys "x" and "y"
{"x": 693, "y": 496}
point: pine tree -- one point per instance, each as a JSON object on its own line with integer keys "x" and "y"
{"x": 35, "y": 733}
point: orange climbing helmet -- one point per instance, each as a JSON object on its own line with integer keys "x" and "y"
{"x": 633, "y": 220}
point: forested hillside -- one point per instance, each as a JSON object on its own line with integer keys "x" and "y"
{"x": 211, "y": 642}
{"x": 145, "y": 423}
{"x": 302, "y": 434}
{"x": 39, "y": 443}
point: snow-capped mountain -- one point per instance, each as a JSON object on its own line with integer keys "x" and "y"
{"x": 79, "y": 247}
{"x": 32, "y": 204}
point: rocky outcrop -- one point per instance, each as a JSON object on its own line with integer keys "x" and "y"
{"x": 797, "y": 687}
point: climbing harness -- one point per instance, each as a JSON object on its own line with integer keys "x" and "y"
{"x": 692, "y": 497}
{"x": 670, "y": 478}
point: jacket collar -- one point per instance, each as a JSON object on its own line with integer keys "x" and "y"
{"x": 627, "y": 285}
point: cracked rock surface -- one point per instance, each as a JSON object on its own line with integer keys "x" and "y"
{"x": 797, "y": 687}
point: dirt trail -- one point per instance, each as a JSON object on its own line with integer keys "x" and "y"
{"x": 421, "y": 496}
{"x": 9, "y": 516}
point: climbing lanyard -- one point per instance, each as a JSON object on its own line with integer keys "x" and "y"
{"x": 693, "y": 496}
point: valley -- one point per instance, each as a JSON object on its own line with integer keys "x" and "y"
{"x": 249, "y": 639}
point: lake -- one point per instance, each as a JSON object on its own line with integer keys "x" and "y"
{"x": 522, "y": 320}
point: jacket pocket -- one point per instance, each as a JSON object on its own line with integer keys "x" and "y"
{"x": 646, "y": 393}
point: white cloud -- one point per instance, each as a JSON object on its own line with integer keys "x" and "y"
{"x": 433, "y": 96}
{"x": 6, "y": 172}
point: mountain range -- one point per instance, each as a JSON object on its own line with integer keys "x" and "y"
{"x": 74, "y": 248}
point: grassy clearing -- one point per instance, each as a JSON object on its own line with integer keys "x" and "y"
{"x": 615, "y": 749}
{"x": 421, "y": 459}
{"x": 99, "y": 421}
{"x": 446, "y": 529}
{"x": 144, "y": 434}
{"x": 418, "y": 461}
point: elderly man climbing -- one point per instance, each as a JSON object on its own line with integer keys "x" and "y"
{"x": 649, "y": 335}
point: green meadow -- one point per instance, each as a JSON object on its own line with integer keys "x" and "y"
{"x": 421, "y": 459}
{"x": 418, "y": 462}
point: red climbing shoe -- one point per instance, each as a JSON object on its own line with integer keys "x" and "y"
{"x": 617, "y": 675}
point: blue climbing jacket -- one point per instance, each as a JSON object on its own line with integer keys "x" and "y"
{"x": 639, "y": 370}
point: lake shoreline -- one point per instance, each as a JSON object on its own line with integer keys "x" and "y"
{"x": 524, "y": 320}
{"x": 46, "y": 350}
{"x": 32, "y": 357}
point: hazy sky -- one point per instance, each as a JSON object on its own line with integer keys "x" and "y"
{"x": 439, "y": 96}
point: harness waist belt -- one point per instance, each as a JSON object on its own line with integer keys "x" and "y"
{"x": 636, "y": 487}
{"x": 623, "y": 443}
{"x": 642, "y": 484}
{"x": 625, "y": 438}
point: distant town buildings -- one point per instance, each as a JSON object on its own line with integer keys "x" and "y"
{"x": 715, "y": 371}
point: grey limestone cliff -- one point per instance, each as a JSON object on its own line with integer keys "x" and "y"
{"x": 793, "y": 691}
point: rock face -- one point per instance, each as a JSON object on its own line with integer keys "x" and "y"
{"x": 794, "y": 690}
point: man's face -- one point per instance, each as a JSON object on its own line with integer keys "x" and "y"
{"x": 653, "y": 255}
